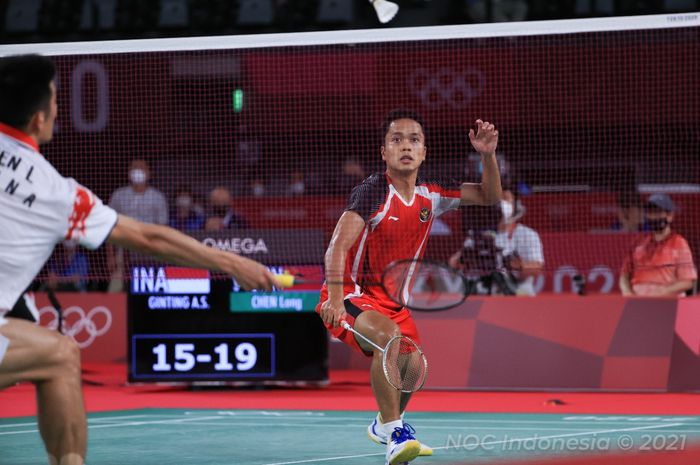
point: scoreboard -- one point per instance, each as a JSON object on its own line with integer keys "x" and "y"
{"x": 190, "y": 326}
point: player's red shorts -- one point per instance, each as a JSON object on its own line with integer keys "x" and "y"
{"x": 356, "y": 305}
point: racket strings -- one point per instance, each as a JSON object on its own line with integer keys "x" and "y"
{"x": 405, "y": 364}
{"x": 424, "y": 285}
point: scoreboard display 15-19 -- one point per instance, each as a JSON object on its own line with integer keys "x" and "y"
{"x": 187, "y": 325}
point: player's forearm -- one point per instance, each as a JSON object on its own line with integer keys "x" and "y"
{"x": 490, "y": 179}
{"x": 335, "y": 271}
{"x": 178, "y": 248}
{"x": 348, "y": 229}
{"x": 170, "y": 245}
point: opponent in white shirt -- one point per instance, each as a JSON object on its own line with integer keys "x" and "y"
{"x": 38, "y": 209}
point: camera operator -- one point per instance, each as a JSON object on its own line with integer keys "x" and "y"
{"x": 480, "y": 260}
{"x": 500, "y": 255}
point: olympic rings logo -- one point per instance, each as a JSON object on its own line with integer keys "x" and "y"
{"x": 446, "y": 87}
{"x": 83, "y": 327}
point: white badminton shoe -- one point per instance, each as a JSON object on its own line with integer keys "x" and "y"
{"x": 403, "y": 446}
{"x": 376, "y": 433}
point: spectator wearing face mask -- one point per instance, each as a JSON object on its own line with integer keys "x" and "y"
{"x": 187, "y": 215}
{"x": 660, "y": 263}
{"x": 140, "y": 201}
{"x": 220, "y": 213}
{"x": 521, "y": 245}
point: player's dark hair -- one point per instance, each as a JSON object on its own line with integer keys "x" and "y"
{"x": 24, "y": 88}
{"x": 397, "y": 114}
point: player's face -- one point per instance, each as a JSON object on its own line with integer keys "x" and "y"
{"x": 404, "y": 146}
{"x": 47, "y": 124}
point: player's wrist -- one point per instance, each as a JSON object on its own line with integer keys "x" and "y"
{"x": 230, "y": 263}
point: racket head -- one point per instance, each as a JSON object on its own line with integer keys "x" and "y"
{"x": 405, "y": 365}
{"x": 425, "y": 285}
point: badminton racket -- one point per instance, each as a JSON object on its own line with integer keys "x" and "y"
{"x": 404, "y": 363}
{"x": 421, "y": 285}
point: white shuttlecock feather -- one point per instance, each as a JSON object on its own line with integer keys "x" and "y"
{"x": 385, "y": 9}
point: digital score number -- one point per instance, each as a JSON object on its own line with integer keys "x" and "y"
{"x": 201, "y": 356}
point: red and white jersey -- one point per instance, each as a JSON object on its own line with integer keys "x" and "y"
{"x": 38, "y": 209}
{"x": 396, "y": 229}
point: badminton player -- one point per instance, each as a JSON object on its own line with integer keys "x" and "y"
{"x": 39, "y": 208}
{"x": 388, "y": 218}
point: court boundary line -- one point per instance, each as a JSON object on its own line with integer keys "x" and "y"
{"x": 187, "y": 417}
{"x": 115, "y": 425}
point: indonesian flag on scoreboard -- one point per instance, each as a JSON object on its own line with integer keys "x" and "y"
{"x": 186, "y": 281}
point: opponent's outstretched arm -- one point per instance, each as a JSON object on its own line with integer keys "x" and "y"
{"x": 175, "y": 247}
{"x": 488, "y": 192}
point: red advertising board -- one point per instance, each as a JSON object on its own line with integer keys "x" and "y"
{"x": 96, "y": 321}
{"x": 558, "y": 342}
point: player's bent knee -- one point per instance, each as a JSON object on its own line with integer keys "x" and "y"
{"x": 384, "y": 335}
{"x": 378, "y": 327}
{"x": 67, "y": 355}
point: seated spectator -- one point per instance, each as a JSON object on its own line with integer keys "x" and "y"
{"x": 220, "y": 213}
{"x": 67, "y": 269}
{"x": 139, "y": 200}
{"x": 630, "y": 214}
{"x": 660, "y": 263}
{"x": 188, "y": 215}
{"x": 352, "y": 175}
{"x": 257, "y": 187}
{"x": 296, "y": 184}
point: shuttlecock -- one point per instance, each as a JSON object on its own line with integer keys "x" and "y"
{"x": 385, "y": 9}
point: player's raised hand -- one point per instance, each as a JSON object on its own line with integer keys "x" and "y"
{"x": 485, "y": 139}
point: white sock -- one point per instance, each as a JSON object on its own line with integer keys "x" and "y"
{"x": 390, "y": 426}
{"x": 380, "y": 421}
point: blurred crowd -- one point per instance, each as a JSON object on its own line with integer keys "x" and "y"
{"x": 499, "y": 253}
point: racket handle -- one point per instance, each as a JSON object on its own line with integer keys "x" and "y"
{"x": 285, "y": 280}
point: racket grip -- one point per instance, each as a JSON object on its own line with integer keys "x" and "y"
{"x": 346, "y": 326}
{"x": 285, "y": 280}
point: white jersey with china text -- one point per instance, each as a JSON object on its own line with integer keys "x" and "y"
{"x": 38, "y": 209}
